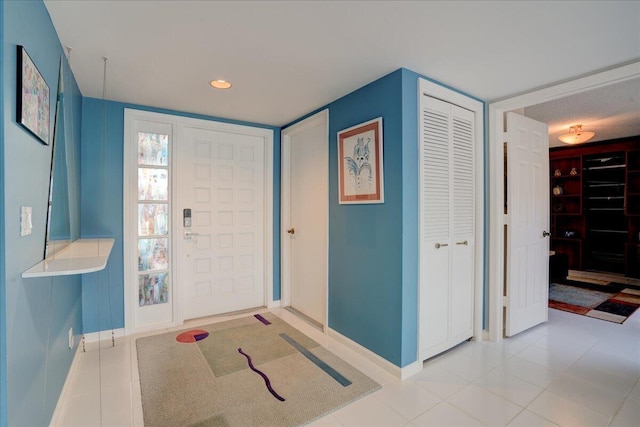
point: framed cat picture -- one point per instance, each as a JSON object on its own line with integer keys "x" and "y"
{"x": 360, "y": 166}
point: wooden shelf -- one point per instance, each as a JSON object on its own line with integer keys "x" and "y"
{"x": 79, "y": 257}
{"x": 599, "y": 168}
{"x": 603, "y": 184}
{"x": 567, "y": 239}
{"x": 601, "y": 203}
{"x": 565, "y": 176}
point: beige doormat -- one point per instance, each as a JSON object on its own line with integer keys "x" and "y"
{"x": 253, "y": 371}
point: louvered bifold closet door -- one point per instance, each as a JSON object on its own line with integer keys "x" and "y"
{"x": 447, "y": 205}
{"x": 463, "y": 207}
{"x": 435, "y": 183}
{"x": 436, "y": 177}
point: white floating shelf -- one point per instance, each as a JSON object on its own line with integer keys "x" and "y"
{"x": 79, "y": 257}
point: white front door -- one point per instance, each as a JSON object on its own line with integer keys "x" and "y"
{"x": 527, "y": 278}
{"x": 198, "y": 222}
{"x": 304, "y": 223}
{"x": 221, "y": 203}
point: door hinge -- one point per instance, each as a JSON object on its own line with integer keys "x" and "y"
{"x": 505, "y": 301}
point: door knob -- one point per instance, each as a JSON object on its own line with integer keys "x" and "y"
{"x": 546, "y": 234}
{"x": 291, "y": 231}
{"x": 440, "y": 245}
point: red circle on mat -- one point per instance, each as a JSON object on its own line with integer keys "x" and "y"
{"x": 192, "y": 336}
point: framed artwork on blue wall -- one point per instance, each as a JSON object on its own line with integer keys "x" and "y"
{"x": 33, "y": 98}
{"x": 360, "y": 167}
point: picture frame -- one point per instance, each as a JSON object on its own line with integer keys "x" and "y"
{"x": 360, "y": 164}
{"x": 33, "y": 98}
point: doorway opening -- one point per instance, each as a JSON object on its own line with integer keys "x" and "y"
{"x": 496, "y": 179}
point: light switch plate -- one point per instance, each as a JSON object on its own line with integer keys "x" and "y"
{"x": 25, "y": 221}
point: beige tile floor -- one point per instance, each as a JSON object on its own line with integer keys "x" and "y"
{"x": 570, "y": 371}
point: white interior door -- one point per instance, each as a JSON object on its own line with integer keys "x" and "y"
{"x": 463, "y": 202}
{"x": 221, "y": 205}
{"x": 435, "y": 250}
{"x": 527, "y": 278}
{"x": 304, "y": 227}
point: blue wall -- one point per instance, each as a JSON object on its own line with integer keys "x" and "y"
{"x": 373, "y": 249}
{"x": 410, "y": 222}
{"x": 101, "y": 206}
{"x": 37, "y": 313}
{"x": 365, "y": 241}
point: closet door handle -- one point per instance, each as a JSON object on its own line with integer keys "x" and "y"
{"x": 546, "y": 234}
{"x": 439, "y": 245}
{"x": 462, "y": 243}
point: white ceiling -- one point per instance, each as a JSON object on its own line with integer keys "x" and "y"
{"x": 288, "y": 58}
{"x": 611, "y": 112}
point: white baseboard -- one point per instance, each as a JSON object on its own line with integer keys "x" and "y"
{"x": 410, "y": 369}
{"x": 103, "y": 335}
{"x": 274, "y": 304}
{"x": 56, "y": 418}
{"x": 396, "y": 371}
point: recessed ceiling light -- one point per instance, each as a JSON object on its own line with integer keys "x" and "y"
{"x": 220, "y": 84}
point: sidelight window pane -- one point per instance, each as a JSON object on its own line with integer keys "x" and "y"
{"x": 153, "y": 184}
{"x": 153, "y": 289}
{"x": 152, "y": 149}
{"x": 153, "y": 219}
{"x": 153, "y": 254}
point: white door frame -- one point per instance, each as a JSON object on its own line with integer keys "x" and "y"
{"x": 495, "y": 161}
{"x": 285, "y": 208}
{"x": 130, "y": 206}
{"x": 445, "y": 94}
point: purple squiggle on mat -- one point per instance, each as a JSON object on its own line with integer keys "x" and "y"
{"x": 264, "y": 377}
{"x": 262, "y": 319}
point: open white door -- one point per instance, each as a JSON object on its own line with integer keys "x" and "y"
{"x": 527, "y": 278}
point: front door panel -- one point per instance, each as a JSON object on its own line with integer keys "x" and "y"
{"x": 221, "y": 256}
